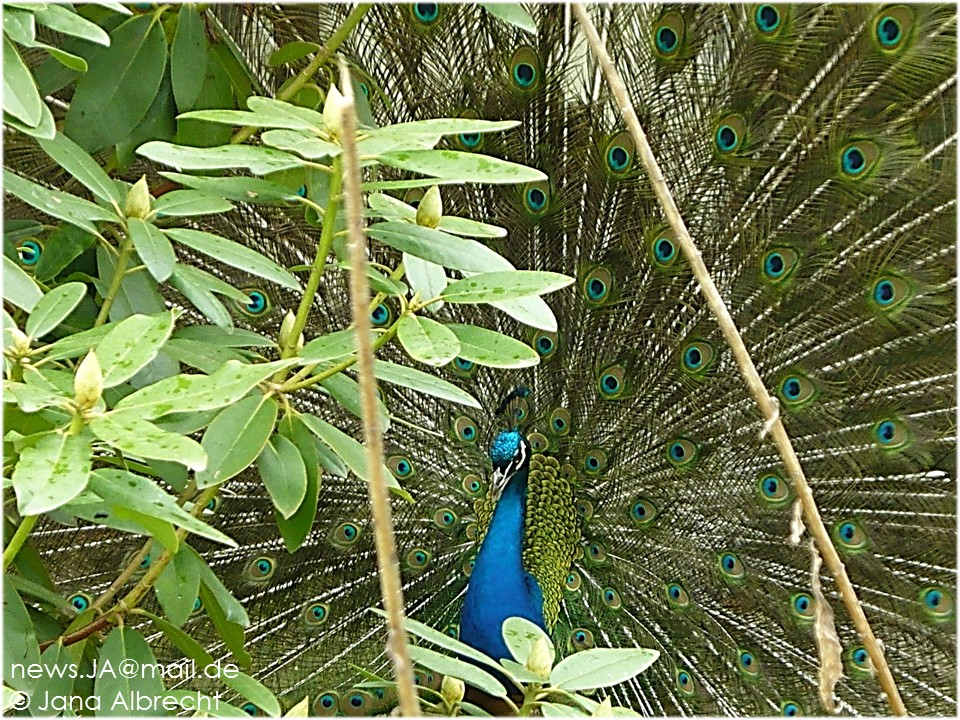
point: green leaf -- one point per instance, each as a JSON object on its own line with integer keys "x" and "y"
{"x": 532, "y": 311}
{"x": 349, "y": 450}
{"x": 120, "y": 85}
{"x": 195, "y": 393}
{"x": 461, "y": 167}
{"x": 512, "y": 14}
{"x": 68, "y": 60}
{"x": 52, "y": 472}
{"x": 53, "y": 308}
{"x": 235, "y": 255}
{"x": 63, "y": 246}
{"x": 235, "y": 338}
{"x": 497, "y": 286}
{"x": 601, "y": 667}
{"x": 197, "y": 286}
{"x": 326, "y": 348}
{"x": 31, "y": 399}
{"x": 233, "y": 610}
{"x": 141, "y": 438}
{"x": 185, "y": 203}
{"x": 239, "y": 189}
{"x": 556, "y": 710}
{"x": 58, "y": 666}
{"x": 346, "y": 391}
{"x": 521, "y": 635}
{"x": 178, "y": 587}
{"x": 470, "y": 674}
{"x": 61, "y": 205}
{"x": 256, "y": 159}
{"x": 230, "y": 632}
{"x": 188, "y": 57}
{"x": 19, "y": 640}
{"x": 77, "y": 344}
{"x": 153, "y": 248}
{"x": 303, "y": 144}
{"x": 486, "y": 347}
{"x": 179, "y": 639}
{"x": 390, "y": 208}
{"x": 18, "y": 287}
{"x": 20, "y": 95}
{"x": 424, "y": 134}
{"x": 295, "y": 529}
{"x": 439, "y": 247}
{"x": 159, "y": 123}
{"x": 197, "y": 704}
{"x": 428, "y": 278}
{"x": 284, "y": 474}
{"x": 131, "y": 345}
{"x": 64, "y": 20}
{"x": 75, "y": 160}
{"x": 126, "y": 644}
{"x": 427, "y": 340}
{"x": 123, "y": 489}
{"x": 422, "y": 382}
{"x": 290, "y": 52}
{"x": 253, "y": 691}
{"x": 46, "y": 128}
{"x": 265, "y": 113}
{"x": 235, "y": 438}
{"x": 202, "y": 356}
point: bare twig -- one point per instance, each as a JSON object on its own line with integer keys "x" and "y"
{"x": 379, "y": 506}
{"x": 748, "y": 370}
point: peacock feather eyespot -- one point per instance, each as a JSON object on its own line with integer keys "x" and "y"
{"x": 260, "y": 569}
{"x": 472, "y": 485}
{"x": 581, "y": 639}
{"x": 796, "y": 391}
{"x": 400, "y": 465}
{"x": 684, "y": 682}
{"x": 595, "y": 461}
{"x": 859, "y": 663}
{"x": 445, "y": 518}
{"x": 773, "y": 489}
{"x": 677, "y": 597}
{"x": 467, "y": 566}
{"x": 315, "y": 614}
{"x": 779, "y": 264}
{"x": 729, "y": 135}
{"x": 748, "y": 664}
{"x": 643, "y": 512}
{"x": 452, "y": 630}
{"x": 465, "y": 429}
{"x": 213, "y": 504}
{"x": 850, "y": 536}
{"x": 802, "y": 607}
{"x": 346, "y": 534}
{"x": 413, "y": 196}
{"x": 327, "y": 704}
{"x": 767, "y": 19}
{"x": 937, "y": 603}
{"x": 858, "y": 158}
{"x": 302, "y": 191}
{"x": 356, "y": 702}
{"x": 891, "y": 434}
{"x": 545, "y": 343}
{"x": 525, "y": 68}
{"x": 79, "y": 601}
{"x": 559, "y": 422}
{"x": 681, "y": 452}
{"x": 790, "y": 709}
{"x": 663, "y": 249}
{"x": 596, "y": 285}
{"x": 574, "y": 581}
{"x": 464, "y": 368}
{"x": 611, "y": 598}
{"x": 585, "y": 509}
{"x": 596, "y": 553}
{"x": 469, "y": 140}
{"x": 892, "y": 28}
{"x": 889, "y": 292}
{"x": 427, "y": 13}
{"x": 668, "y": 35}
{"x": 619, "y": 153}
{"x": 536, "y": 197}
{"x": 29, "y": 252}
{"x": 612, "y": 382}
{"x": 417, "y": 559}
{"x": 250, "y": 709}
{"x": 697, "y": 357}
{"x": 732, "y": 569}
{"x": 258, "y": 302}
{"x": 381, "y": 315}
{"x": 197, "y": 606}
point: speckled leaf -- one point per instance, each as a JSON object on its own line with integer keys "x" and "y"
{"x": 601, "y": 667}
{"x": 184, "y": 203}
{"x": 497, "y": 286}
{"x": 124, "y": 644}
{"x": 18, "y": 287}
{"x": 154, "y": 249}
{"x": 131, "y": 345}
{"x": 427, "y": 340}
{"x": 438, "y": 247}
{"x": 178, "y": 588}
{"x": 20, "y": 95}
{"x": 53, "y": 308}
{"x": 61, "y": 205}
{"x": 423, "y": 382}
{"x": 52, "y": 472}
{"x": 283, "y": 473}
{"x": 236, "y": 437}
{"x": 486, "y": 347}
{"x": 75, "y": 160}
{"x": 461, "y": 167}
{"x": 141, "y": 438}
{"x": 256, "y": 159}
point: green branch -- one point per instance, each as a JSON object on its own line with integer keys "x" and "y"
{"x": 18, "y": 539}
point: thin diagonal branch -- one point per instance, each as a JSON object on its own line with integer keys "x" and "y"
{"x": 748, "y": 370}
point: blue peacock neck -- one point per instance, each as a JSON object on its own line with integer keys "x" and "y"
{"x": 499, "y": 586}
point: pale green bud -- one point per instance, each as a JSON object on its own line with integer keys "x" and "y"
{"x": 88, "y": 382}
{"x": 333, "y": 112}
{"x": 430, "y": 209}
{"x": 452, "y": 689}
{"x": 540, "y": 662}
{"x": 286, "y": 332}
{"x": 604, "y": 709}
{"x": 139, "y": 201}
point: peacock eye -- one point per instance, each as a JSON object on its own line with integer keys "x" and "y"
{"x": 525, "y": 68}
{"x": 767, "y": 19}
{"x": 426, "y": 13}
{"x": 29, "y": 252}
{"x": 79, "y": 602}
{"x": 257, "y": 303}
{"x": 790, "y": 709}
{"x": 664, "y": 250}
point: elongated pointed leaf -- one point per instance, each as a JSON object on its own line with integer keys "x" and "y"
{"x": 131, "y": 345}
{"x": 512, "y": 14}
{"x": 470, "y": 674}
{"x": 75, "y": 160}
{"x": 53, "y": 308}
{"x": 186, "y": 203}
{"x": 497, "y": 286}
{"x": 178, "y": 588}
{"x": 439, "y": 247}
{"x": 239, "y": 189}
{"x": 20, "y": 95}
{"x": 601, "y": 667}
{"x": 141, "y": 438}
{"x": 124, "y": 646}
{"x": 258, "y": 160}
{"x": 18, "y": 287}
{"x": 188, "y": 57}
{"x": 61, "y": 205}
{"x": 284, "y": 474}
{"x": 66, "y": 21}
{"x": 302, "y": 143}
{"x": 461, "y": 166}
{"x": 153, "y": 248}
{"x": 427, "y": 340}
{"x": 422, "y": 382}
{"x": 486, "y": 347}
{"x": 236, "y": 437}
{"x": 327, "y": 348}
{"x": 52, "y": 472}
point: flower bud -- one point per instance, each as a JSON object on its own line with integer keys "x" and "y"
{"x": 139, "y": 200}
{"x": 540, "y": 662}
{"x": 430, "y": 209}
{"x": 88, "y": 382}
{"x": 604, "y": 709}
{"x": 333, "y": 112}
{"x": 452, "y": 689}
{"x": 21, "y": 342}
{"x": 286, "y": 332}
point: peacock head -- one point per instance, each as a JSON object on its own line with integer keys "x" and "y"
{"x": 510, "y": 452}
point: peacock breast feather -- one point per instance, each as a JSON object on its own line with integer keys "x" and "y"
{"x": 552, "y": 528}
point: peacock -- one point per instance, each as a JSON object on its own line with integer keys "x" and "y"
{"x": 624, "y": 491}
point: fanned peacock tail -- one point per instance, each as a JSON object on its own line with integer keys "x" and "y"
{"x": 811, "y": 151}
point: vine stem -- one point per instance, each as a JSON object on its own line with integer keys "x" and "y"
{"x": 768, "y": 407}
{"x": 335, "y": 41}
{"x": 373, "y": 438}
{"x": 19, "y": 538}
{"x": 119, "y": 270}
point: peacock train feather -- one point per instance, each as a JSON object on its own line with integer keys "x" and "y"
{"x": 626, "y": 497}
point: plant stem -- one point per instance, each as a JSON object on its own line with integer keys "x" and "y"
{"x": 126, "y": 250}
{"x": 19, "y": 538}
{"x": 748, "y": 370}
{"x": 390, "y": 585}
{"x": 304, "y": 76}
